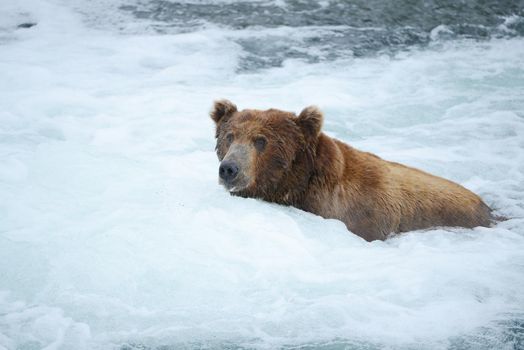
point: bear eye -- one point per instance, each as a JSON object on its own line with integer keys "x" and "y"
{"x": 260, "y": 143}
{"x": 230, "y": 137}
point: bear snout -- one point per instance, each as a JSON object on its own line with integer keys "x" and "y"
{"x": 228, "y": 171}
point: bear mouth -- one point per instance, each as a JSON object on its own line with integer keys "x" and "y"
{"x": 233, "y": 189}
{"x": 235, "y": 186}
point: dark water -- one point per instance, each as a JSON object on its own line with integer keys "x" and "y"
{"x": 327, "y": 30}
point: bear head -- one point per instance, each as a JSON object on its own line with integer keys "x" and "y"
{"x": 265, "y": 154}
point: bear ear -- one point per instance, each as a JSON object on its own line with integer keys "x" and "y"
{"x": 222, "y": 110}
{"x": 310, "y": 121}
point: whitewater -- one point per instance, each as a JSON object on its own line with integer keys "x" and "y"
{"x": 114, "y": 232}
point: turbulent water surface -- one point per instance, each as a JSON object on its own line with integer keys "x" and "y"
{"x": 114, "y": 233}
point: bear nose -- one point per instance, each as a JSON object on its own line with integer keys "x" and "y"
{"x": 228, "y": 170}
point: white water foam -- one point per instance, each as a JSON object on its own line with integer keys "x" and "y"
{"x": 114, "y": 231}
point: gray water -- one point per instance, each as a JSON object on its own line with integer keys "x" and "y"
{"x": 330, "y": 30}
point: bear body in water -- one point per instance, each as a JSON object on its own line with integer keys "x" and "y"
{"x": 283, "y": 158}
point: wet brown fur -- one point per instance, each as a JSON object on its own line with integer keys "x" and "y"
{"x": 303, "y": 167}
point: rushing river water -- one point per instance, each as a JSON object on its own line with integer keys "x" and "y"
{"x": 114, "y": 232}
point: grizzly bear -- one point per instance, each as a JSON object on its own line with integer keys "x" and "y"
{"x": 279, "y": 157}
